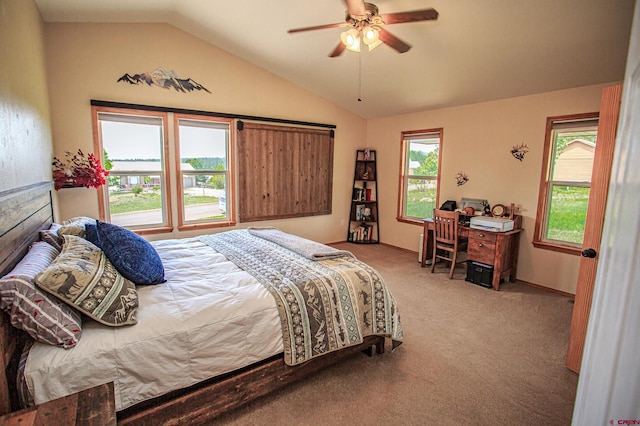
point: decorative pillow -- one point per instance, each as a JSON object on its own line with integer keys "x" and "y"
{"x": 131, "y": 254}
{"x": 45, "y": 318}
{"x": 83, "y": 277}
{"x": 81, "y": 220}
{"x": 51, "y": 236}
{"x": 75, "y": 226}
{"x": 91, "y": 234}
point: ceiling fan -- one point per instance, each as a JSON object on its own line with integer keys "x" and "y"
{"x": 366, "y": 26}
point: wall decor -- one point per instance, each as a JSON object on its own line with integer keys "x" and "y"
{"x": 164, "y": 79}
{"x": 461, "y": 178}
{"x": 519, "y": 151}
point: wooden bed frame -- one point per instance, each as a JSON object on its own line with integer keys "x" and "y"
{"x": 24, "y": 212}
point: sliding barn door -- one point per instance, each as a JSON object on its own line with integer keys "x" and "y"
{"x": 607, "y": 126}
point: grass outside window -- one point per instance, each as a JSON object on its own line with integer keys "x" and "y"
{"x": 568, "y": 214}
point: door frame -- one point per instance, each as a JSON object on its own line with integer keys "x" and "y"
{"x": 605, "y": 145}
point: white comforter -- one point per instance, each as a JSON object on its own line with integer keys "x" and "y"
{"x": 209, "y": 318}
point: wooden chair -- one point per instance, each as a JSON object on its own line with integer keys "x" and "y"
{"x": 446, "y": 242}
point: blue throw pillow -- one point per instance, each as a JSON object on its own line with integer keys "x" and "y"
{"x": 91, "y": 234}
{"x": 131, "y": 254}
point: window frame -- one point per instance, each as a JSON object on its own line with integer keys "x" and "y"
{"x": 103, "y": 191}
{"x": 404, "y": 176}
{"x": 544, "y": 193}
{"x": 171, "y": 169}
{"x": 229, "y": 220}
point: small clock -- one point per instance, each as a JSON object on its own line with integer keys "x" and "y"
{"x": 498, "y": 210}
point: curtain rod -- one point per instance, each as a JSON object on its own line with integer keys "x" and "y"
{"x": 206, "y": 113}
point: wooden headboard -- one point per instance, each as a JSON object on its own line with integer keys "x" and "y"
{"x": 23, "y": 212}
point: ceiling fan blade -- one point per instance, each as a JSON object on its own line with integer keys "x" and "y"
{"x": 319, "y": 27}
{"x": 355, "y": 7}
{"x": 392, "y": 41}
{"x": 415, "y": 16}
{"x": 337, "y": 51}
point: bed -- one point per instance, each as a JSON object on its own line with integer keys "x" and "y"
{"x": 202, "y": 377}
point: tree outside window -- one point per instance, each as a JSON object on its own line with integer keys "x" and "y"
{"x": 420, "y": 174}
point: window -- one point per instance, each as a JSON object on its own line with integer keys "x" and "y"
{"x": 202, "y": 145}
{"x": 138, "y": 195}
{"x": 134, "y": 150}
{"x": 420, "y": 178}
{"x": 566, "y": 179}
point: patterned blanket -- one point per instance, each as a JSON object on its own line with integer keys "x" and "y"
{"x": 324, "y": 305}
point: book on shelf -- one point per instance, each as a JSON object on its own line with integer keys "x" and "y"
{"x": 362, "y": 194}
{"x": 363, "y": 232}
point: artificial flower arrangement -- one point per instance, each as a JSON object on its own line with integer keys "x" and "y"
{"x": 78, "y": 170}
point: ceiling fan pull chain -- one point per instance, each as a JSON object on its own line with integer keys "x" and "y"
{"x": 359, "y": 77}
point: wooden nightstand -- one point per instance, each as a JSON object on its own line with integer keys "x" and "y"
{"x": 95, "y": 406}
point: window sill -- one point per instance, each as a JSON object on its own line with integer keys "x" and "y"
{"x": 412, "y": 221}
{"x": 149, "y": 231}
{"x": 555, "y": 247}
{"x": 196, "y": 226}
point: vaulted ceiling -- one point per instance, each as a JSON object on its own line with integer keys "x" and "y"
{"x": 477, "y": 50}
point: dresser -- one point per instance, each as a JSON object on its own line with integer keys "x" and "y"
{"x": 496, "y": 249}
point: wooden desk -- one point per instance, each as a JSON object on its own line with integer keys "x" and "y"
{"x": 95, "y": 407}
{"x": 497, "y": 249}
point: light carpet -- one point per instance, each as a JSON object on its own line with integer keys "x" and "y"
{"x": 470, "y": 356}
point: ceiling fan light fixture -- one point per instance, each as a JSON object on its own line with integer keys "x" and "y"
{"x": 374, "y": 45}
{"x": 351, "y": 39}
{"x": 371, "y": 37}
{"x": 367, "y": 26}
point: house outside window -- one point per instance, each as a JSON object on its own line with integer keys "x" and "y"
{"x": 139, "y": 191}
{"x": 420, "y": 177}
{"x": 565, "y": 183}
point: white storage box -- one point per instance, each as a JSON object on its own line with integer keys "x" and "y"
{"x": 488, "y": 223}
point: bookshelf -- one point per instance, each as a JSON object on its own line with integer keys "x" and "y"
{"x": 363, "y": 218}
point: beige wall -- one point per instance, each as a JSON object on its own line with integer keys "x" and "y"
{"x": 25, "y": 136}
{"x": 477, "y": 140}
{"x": 85, "y": 61}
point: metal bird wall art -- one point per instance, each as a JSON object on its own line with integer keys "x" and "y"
{"x": 164, "y": 79}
